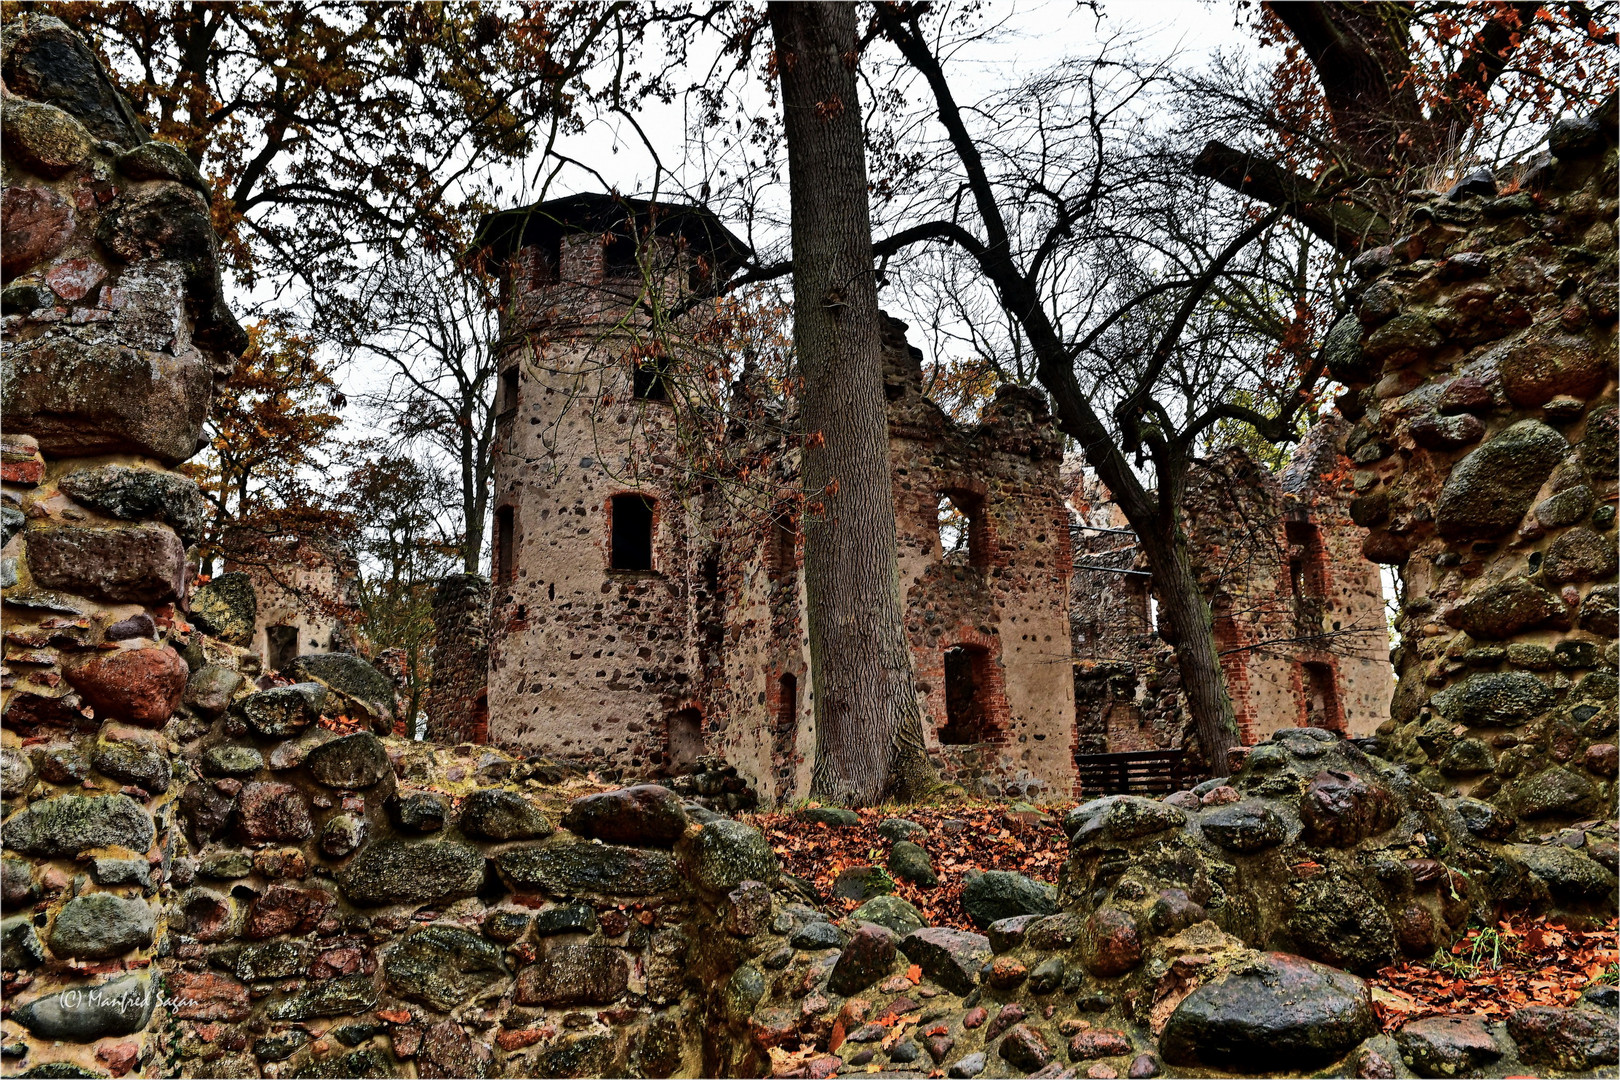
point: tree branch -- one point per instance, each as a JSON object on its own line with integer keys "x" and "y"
{"x": 1342, "y": 223}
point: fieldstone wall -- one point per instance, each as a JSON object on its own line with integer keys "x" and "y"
{"x": 210, "y": 870}
{"x": 1221, "y": 931}
{"x": 115, "y": 337}
{"x": 1481, "y": 356}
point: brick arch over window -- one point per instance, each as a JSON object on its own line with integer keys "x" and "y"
{"x": 967, "y": 690}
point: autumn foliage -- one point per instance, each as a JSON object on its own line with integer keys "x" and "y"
{"x": 1492, "y": 971}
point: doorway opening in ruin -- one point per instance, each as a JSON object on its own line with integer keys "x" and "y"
{"x": 960, "y": 521}
{"x": 787, "y": 703}
{"x": 683, "y": 738}
{"x": 281, "y": 645}
{"x": 631, "y": 532}
{"x": 970, "y": 686}
{"x": 1322, "y": 707}
{"x": 504, "y": 555}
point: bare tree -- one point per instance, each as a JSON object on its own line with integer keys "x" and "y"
{"x": 1141, "y": 307}
{"x": 432, "y": 322}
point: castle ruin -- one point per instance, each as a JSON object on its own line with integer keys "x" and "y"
{"x": 641, "y": 619}
{"x": 643, "y": 616}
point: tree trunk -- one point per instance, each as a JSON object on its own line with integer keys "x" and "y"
{"x": 1183, "y": 607}
{"x": 868, "y": 723}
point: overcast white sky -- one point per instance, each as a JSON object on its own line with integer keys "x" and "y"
{"x": 1032, "y": 35}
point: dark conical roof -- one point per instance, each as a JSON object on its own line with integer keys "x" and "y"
{"x": 502, "y": 233}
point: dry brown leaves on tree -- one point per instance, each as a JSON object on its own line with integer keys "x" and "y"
{"x": 1494, "y": 971}
{"x": 991, "y": 839}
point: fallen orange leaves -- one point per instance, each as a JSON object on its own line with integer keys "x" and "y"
{"x": 1495, "y": 971}
{"x": 991, "y": 840}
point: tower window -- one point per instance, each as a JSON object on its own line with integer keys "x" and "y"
{"x": 509, "y": 391}
{"x": 649, "y": 380}
{"x": 632, "y": 528}
{"x": 619, "y": 258}
{"x": 545, "y": 263}
{"x": 698, "y": 273}
{"x": 505, "y": 556}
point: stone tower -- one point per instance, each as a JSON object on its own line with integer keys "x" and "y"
{"x": 640, "y": 619}
{"x": 592, "y": 559}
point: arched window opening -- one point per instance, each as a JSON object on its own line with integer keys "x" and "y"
{"x": 1305, "y": 575}
{"x": 963, "y": 538}
{"x": 632, "y": 532}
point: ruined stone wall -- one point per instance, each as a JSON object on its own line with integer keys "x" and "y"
{"x": 1005, "y": 597}
{"x": 757, "y": 678}
{"x": 115, "y": 336}
{"x": 707, "y": 649}
{"x": 457, "y": 707}
{"x": 1347, "y": 606}
{"x": 1481, "y": 360}
{"x": 302, "y": 589}
{"x": 202, "y": 875}
{"x": 1298, "y": 610}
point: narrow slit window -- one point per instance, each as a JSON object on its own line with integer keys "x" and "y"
{"x": 509, "y": 391}
{"x": 632, "y": 530}
{"x": 787, "y": 703}
{"x": 505, "y": 557}
{"x": 782, "y": 554}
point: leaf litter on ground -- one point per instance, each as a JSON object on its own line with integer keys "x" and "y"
{"x": 992, "y": 837}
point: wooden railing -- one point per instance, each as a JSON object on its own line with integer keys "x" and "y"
{"x": 1141, "y": 772}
